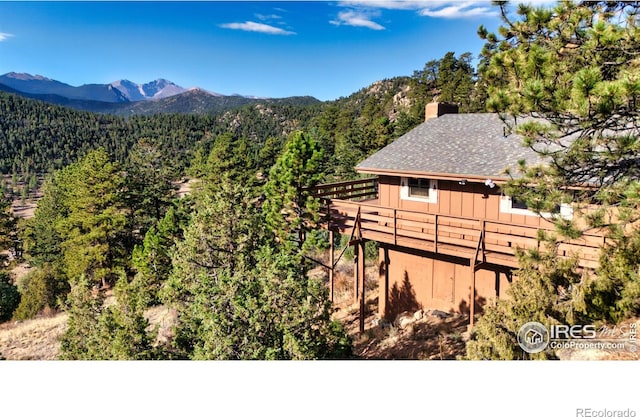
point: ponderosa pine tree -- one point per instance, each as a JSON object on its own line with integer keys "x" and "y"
{"x": 41, "y": 240}
{"x": 148, "y": 187}
{"x": 300, "y": 304}
{"x": 290, "y": 208}
{"x": 94, "y": 219}
{"x": 46, "y": 285}
{"x": 8, "y": 230}
{"x": 229, "y": 160}
{"x": 239, "y": 297}
{"x": 572, "y": 71}
{"x": 9, "y": 294}
{"x": 78, "y": 230}
{"x": 536, "y": 294}
{"x": 298, "y": 309}
{"x": 152, "y": 259}
{"x": 566, "y": 79}
{"x": 210, "y": 284}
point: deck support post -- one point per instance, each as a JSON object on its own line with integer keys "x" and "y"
{"x": 356, "y": 272}
{"x": 360, "y": 280}
{"x": 358, "y": 268}
{"x": 474, "y": 265}
{"x": 472, "y": 296}
{"x": 331, "y": 270}
{"x": 356, "y": 239}
{"x": 383, "y": 282}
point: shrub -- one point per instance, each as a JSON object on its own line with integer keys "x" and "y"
{"x": 41, "y": 290}
{"x": 9, "y": 297}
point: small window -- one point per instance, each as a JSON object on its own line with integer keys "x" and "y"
{"x": 517, "y": 203}
{"x": 514, "y": 205}
{"x": 419, "y": 189}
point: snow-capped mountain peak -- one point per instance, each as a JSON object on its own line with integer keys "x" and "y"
{"x": 159, "y": 88}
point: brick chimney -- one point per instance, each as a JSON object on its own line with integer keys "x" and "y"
{"x": 436, "y": 109}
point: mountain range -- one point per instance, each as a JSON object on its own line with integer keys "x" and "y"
{"x": 115, "y": 92}
{"x": 126, "y": 98}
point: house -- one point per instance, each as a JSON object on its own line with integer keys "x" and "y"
{"x": 534, "y": 337}
{"x": 446, "y": 231}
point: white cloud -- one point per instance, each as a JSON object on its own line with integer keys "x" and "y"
{"x": 460, "y": 10}
{"x": 257, "y": 27}
{"x": 392, "y": 4}
{"x": 5, "y": 36}
{"x": 434, "y": 8}
{"x": 358, "y": 19}
{"x": 268, "y": 16}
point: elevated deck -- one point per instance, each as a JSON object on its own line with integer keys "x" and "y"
{"x": 353, "y": 204}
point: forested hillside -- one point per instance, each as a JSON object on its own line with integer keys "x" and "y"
{"x": 232, "y": 255}
{"x": 40, "y": 137}
{"x": 199, "y": 102}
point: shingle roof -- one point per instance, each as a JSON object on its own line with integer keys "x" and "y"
{"x": 461, "y": 144}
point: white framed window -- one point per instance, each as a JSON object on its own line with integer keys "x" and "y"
{"x": 514, "y": 206}
{"x": 419, "y": 189}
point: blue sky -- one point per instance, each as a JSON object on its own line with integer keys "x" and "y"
{"x": 262, "y": 48}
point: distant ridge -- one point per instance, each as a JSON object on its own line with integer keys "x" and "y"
{"x": 126, "y": 98}
{"x": 198, "y": 101}
{"x": 37, "y": 84}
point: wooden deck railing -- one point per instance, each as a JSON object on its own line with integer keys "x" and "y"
{"x": 451, "y": 235}
{"x": 348, "y": 190}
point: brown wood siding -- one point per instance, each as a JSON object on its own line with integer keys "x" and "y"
{"x": 391, "y": 185}
{"x": 444, "y": 197}
{"x": 424, "y": 281}
{"x": 442, "y": 284}
{"x": 462, "y": 289}
{"x": 456, "y": 196}
{"x": 409, "y": 285}
{"x": 492, "y": 206}
{"x": 485, "y": 288}
{"x": 444, "y": 276}
{"x": 468, "y": 201}
{"x": 462, "y": 286}
{"x": 479, "y": 203}
{"x": 505, "y": 283}
{"x": 473, "y": 200}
